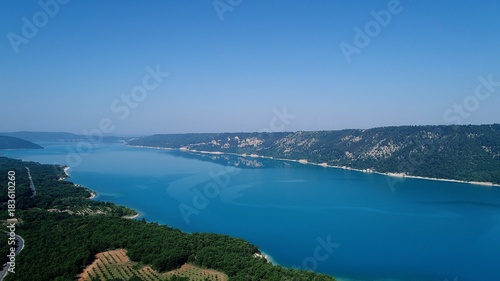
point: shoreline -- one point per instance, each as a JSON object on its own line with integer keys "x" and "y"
{"x": 66, "y": 175}
{"x": 325, "y": 165}
{"x": 93, "y": 194}
{"x": 133, "y": 216}
{"x": 264, "y": 255}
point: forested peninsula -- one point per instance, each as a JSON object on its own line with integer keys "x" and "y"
{"x": 64, "y": 231}
{"x": 7, "y": 142}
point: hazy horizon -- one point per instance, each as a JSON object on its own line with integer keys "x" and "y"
{"x": 246, "y": 66}
{"x": 235, "y": 132}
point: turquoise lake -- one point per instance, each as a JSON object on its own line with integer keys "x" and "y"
{"x": 352, "y": 225}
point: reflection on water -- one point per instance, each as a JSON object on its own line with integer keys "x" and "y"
{"x": 420, "y": 231}
{"x": 244, "y": 162}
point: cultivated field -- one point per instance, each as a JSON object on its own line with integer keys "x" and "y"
{"x": 116, "y": 264}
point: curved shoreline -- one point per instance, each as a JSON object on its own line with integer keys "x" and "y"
{"x": 133, "y": 216}
{"x": 66, "y": 171}
{"x": 325, "y": 165}
{"x": 264, "y": 255}
{"x": 92, "y": 195}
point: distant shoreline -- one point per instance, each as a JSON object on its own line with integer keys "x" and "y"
{"x": 325, "y": 165}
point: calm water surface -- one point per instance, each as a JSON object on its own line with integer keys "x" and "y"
{"x": 348, "y": 224}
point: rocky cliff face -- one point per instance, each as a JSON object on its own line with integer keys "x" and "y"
{"x": 452, "y": 152}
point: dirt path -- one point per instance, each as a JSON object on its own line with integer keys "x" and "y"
{"x": 32, "y": 186}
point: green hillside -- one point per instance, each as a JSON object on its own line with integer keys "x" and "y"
{"x": 58, "y": 136}
{"x": 469, "y": 152}
{"x": 7, "y": 142}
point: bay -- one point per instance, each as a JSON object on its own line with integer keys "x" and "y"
{"x": 352, "y": 225}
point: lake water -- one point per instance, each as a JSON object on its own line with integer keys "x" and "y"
{"x": 347, "y": 224}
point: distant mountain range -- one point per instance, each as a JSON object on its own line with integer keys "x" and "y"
{"x": 460, "y": 152}
{"x": 54, "y": 136}
{"x": 7, "y": 142}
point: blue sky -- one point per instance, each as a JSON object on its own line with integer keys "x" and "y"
{"x": 233, "y": 70}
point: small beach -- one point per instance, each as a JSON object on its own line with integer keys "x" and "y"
{"x": 266, "y": 256}
{"x": 132, "y": 217}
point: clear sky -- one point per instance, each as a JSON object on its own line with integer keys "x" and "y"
{"x": 233, "y": 64}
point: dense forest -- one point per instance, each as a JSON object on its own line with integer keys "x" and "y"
{"x": 7, "y": 142}
{"x": 60, "y": 244}
{"x": 461, "y": 152}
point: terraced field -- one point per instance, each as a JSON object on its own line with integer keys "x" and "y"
{"x": 116, "y": 264}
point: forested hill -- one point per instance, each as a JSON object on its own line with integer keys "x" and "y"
{"x": 7, "y": 142}
{"x": 461, "y": 152}
{"x": 58, "y": 136}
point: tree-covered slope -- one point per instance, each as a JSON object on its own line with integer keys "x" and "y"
{"x": 59, "y": 246}
{"x": 7, "y": 142}
{"x": 469, "y": 152}
{"x": 41, "y": 136}
{"x": 59, "y": 136}
{"x": 52, "y": 192}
